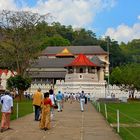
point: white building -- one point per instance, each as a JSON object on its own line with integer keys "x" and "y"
{"x": 82, "y": 74}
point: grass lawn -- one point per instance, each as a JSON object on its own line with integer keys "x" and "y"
{"x": 25, "y": 107}
{"x": 129, "y": 118}
{"x": 130, "y": 133}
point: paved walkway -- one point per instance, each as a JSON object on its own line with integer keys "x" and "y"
{"x": 71, "y": 124}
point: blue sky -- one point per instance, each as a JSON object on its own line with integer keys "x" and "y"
{"x": 124, "y": 12}
{"x": 119, "y": 19}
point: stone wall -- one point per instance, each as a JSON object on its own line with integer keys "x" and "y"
{"x": 95, "y": 90}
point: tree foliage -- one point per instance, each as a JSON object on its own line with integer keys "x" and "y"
{"x": 116, "y": 57}
{"x": 83, "y": 37}
{"x": 127, "y": 77}
{"x": 55, "y": 41}
{"x": 20, "y": 38}
{"x": 131, "y": 50}
{"x": 18, "y": 83}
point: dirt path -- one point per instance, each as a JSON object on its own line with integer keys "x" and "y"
{"x": 71, "y": 124}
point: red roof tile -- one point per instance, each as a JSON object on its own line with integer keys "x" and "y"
{"x": 81, "y": 60}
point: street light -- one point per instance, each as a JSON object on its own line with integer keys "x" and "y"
{"x": 108, "y": 39}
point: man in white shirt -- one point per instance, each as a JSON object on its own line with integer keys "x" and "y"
{"x": 7, "y": 109}
{"x": 82, "y": 100}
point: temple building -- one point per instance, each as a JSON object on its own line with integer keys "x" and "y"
{"x": 50, "y": 66}
{"x": 70, "y": 66}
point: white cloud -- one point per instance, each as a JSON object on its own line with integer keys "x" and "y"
{"x": 138, "y": 17}
{"x": 79, "y": 13}
{"x": 124, "y": 33}
{"x": 8, "y": 4}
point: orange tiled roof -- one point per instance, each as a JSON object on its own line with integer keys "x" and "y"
{"x": 81, "y": 60}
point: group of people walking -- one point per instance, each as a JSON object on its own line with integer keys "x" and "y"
{"x": 44, "y": 105}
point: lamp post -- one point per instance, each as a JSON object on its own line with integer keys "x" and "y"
{"x": 105, "y": 88}
{"x": 108, "y": 61}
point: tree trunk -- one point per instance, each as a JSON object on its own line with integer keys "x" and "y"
{"x": 21, "y": 95}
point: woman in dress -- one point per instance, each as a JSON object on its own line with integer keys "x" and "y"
{"x": 46, "y": 105}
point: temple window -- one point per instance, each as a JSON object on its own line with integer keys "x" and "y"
{"x": 81, "y": 70}
{"x": 81, "y": 77}
{"x": 70, "y": 70}
{"x": 90, "y": 70}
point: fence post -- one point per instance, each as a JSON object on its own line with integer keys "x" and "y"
{"x": 105, "y": 111}
{"x": 17, "y": 110}
{"x": 99, "y": 106}
{"x": 118, "y": 121}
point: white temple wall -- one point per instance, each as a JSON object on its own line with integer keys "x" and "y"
{"x": 96, "y": 92}
{"x": 44, "y": 88}
{"x": 96, "y": 89}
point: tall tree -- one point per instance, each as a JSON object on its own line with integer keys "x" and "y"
{"x": 20, "y": 41}
{"x": 20, "y": 38}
